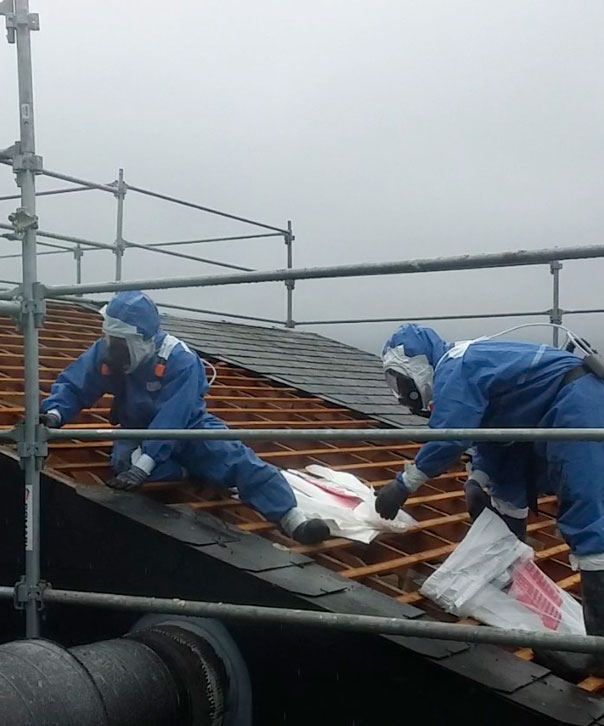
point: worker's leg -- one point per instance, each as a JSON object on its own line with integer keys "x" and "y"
{"x": 261, "y": 485}
{"x": 125, "y": 453}
{"x": 575, "y": 666}
{"x": 576, "y": 469}
{"x": 477, "y": 499}
{"x": 514, "y": 516}
{"x": 497, "y": 482}
{"x": 580, "y": 468}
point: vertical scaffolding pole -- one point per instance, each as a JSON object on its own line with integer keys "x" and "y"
{"x": 120, "y": 193}
{"x": 555, "y": 315}
{"x": 78, "y": 254}
{"x": 25, "y": 165}
{"x": 289, "y": 284}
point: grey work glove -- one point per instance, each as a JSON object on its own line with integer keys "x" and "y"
{"x": 51, "y": 419}
{"x": 128, "y": 480}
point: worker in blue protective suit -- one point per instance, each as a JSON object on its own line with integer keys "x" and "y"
{"x": 159, "y": 383}
{"x": 502, "y": 384}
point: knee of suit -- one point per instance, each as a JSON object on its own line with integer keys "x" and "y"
{"x": 226, "y": 463}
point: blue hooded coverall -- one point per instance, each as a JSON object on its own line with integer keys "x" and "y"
{"x": 174, "y": 400}
{"x": 505, "y": 384}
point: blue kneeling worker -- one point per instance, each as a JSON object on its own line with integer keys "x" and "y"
{"x": 505, "y": 384}
{"x": 159, "y": 383}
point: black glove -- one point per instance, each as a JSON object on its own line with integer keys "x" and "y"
{"x": 50, "y": 419}
{"x": 390, "y": 499}
{"x": 128, "y": 480}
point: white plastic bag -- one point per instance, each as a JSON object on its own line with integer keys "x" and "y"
{"x": 492, "y": 577}
{"x": 344, "y": 502}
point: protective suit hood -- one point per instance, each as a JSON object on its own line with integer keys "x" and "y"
{"x": 414, "y": 351}
{"x": 134, "y": 317}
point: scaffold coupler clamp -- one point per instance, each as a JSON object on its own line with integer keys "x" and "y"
{"x": 24, "y": 594}
{"x": 15, "y": 19}
{"x": 26, "y": 449}
{"x": 36, "y": 305}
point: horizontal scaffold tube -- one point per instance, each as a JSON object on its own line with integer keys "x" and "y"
{"x": 281, "y": 435}
{"x": 353, "y": 623}
{"x": 411, "y": 317}
{"x": 406, "y": 434}
{"x": 516, "y": 258}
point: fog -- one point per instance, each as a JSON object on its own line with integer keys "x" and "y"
{"x": 384, "y": 130}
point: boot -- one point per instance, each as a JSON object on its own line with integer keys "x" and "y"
{"x": 311, "y": 532}
{"x": 305, "y": 531}
{"x": 576, "y": 666}
{"x": 516, "y": 526}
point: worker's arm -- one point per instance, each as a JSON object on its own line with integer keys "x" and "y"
{"x": 181, "y": 391}
{"x": 460, "y": 401}
{"x": 79, "y": 386}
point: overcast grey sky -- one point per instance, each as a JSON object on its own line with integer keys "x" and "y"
{"x": 384, "y": 129}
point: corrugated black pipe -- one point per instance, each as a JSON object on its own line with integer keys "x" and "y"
{"x": 159, "y": 675}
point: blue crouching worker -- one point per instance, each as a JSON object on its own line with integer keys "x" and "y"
{"x": 159, "y": 383}
{"x": 504, "y": 384}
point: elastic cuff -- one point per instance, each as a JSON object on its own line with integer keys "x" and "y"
{"x": 589, "y": 563}
{"x": 56, "y": 412}
{"x": 136, "y": 455}
{"x": 509, "y": 510}
{"x": 412, "y": 478}
{"x": 400, "y": 480}
{"x": 146, "y": 463}
{"x": 480, "y": 477}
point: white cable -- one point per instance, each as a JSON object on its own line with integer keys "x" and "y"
{"x": 586, "y": 348}
{"x": 528, "y": 325}
{"x": 214, "y": 371}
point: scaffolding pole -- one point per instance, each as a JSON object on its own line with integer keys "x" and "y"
{"x": 76, "y": 180}
{"x": 259, "y": 615}
{"x": 414, "y": 434}
{"x": 289, "y": 284}
{"x": 127, "y": 243}
{"x": 78, "y": 253}
{"x": 183, "y": 256}
{"x": 67, "y": 238}
{"x": 174, "y": 243}
{"x": 518, "y": 258}
{"x": 217, "y": 212}
{"x": 496, "y": 435}
{"x": 25, "y": 165}
{"x": 120, "y": 194}
{"x": 10, "y": 308}
{"x": 412, "y": 318}
{"x": 49, "y": 193}
{"x": 584, "y": 311}
{"x": 555, "y": 316}
{"x": 48, "y": 252}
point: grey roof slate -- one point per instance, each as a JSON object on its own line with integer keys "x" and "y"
{"x": 312, "y": 363}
